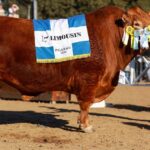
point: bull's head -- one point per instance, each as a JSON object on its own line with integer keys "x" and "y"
{"x": 137, "y": 17}
{"x": 137, "y": 26}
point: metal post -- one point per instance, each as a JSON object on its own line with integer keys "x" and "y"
{"x": 35, "y": 9}
{"x": 145, "y": 70}
{"x": 29, "y": 11}
{"x": 142, "y": 74}
{"x": 132, "y": 71}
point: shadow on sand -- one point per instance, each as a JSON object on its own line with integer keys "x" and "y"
{"x": 47, "y": 120}
{"x": 62, "y": 110}
{"x": 51, "y": 119}
{"x": 131, "y": 107}
{"x": 139, "y": 125}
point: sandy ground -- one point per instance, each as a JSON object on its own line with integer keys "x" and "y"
{"x": 44, "y": 126}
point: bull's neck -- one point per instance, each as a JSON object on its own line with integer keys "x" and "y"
{"x": 126, "y": 52}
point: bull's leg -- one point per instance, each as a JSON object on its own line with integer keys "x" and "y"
{"x": 83, "y": 118}
{"x": 86, "y": 96}
{"x": 54, "y": 95}
{"x": 26, "y": 97}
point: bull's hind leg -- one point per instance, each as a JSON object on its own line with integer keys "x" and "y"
{"x": 83, "y": 118}
{"x": 26, "y": 97}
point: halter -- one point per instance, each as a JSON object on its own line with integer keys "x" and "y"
{"x": 137, "y": 36}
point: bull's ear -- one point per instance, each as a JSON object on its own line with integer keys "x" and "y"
{"x": 122, "y": 22}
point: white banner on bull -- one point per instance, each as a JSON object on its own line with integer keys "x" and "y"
{"x": 61, "y": 38}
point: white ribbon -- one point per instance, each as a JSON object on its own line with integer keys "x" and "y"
{"x": 140, "y": 36}
{"x": 125, "y": 38}
{"x": 144, "y": 41}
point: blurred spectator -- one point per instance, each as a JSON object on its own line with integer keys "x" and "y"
{"x": 2, "y": 11}
{"x": 13, "y": 11}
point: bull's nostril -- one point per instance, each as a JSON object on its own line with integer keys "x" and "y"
{"x": 136, "y": 24}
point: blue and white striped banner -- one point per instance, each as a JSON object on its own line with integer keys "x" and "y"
{"x": 61, "y": 39}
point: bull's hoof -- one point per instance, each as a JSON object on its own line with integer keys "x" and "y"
{"x": 26, "y": 97}
{"x": 53, "y": 102}
{"x": 88, "y": 129}
{"x": 67, "y": 101}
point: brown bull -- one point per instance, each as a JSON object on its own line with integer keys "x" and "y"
{"x": 96, "y": 76}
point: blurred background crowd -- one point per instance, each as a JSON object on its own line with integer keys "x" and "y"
{"x": 61, "y": 8}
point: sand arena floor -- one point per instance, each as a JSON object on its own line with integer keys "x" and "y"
{"x": 44, "y": 126}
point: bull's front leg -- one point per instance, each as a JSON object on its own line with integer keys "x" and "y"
{"x": 86, "y": 96}
{"x": 83, "y": 118}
